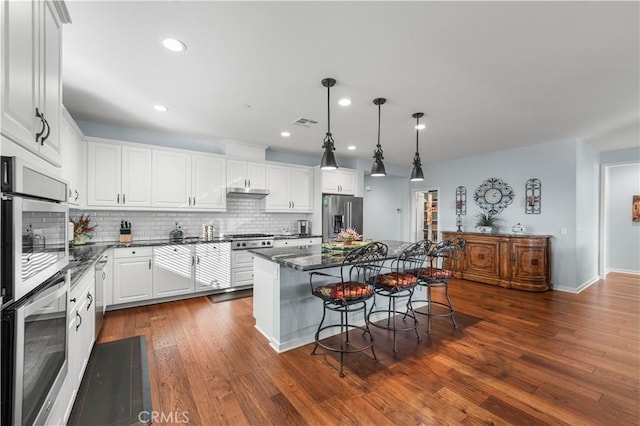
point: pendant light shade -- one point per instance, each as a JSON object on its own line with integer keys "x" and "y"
{"x": 378, "y": 166}
{"x": 328, "y": 161}
{"x": 416, "y": 173}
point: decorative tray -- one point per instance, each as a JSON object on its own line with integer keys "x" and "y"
{"x": 340, "y": 246}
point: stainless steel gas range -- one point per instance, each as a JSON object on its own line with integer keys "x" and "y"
{"x": 242, "y": 260}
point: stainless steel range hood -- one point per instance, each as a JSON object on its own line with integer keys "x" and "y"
{"x": 247, "y": 192}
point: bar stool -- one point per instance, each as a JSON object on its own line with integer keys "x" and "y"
{"x": 443, "y": 261}
{"x": 399, "y": 283}
{"x": 347, "y": 296}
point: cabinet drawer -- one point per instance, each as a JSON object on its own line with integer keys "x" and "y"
{"x": 119, "y": 253}
{"x": 241, "y": 277}
{"x": 241, "y": 259}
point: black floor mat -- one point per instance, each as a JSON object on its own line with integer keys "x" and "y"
{"x": 115, "y": 388}
{"x": 230, "y": 295}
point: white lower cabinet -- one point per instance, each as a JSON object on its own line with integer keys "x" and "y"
{"x": 241, "y": 268}
{"x": 132, "y": 274}
{"x": 81, "y": 314}
{"x": 212, "y": 266}
{"x": 172, "y": 270}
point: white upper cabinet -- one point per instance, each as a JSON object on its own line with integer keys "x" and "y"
{"x": 208, "y": 182}
{"x": 171, "y": 179}
{"x": 243, "y": 174}
{"x": 31, "y": 76}
{"x": 339, "y": 181}
{"x": 189, "y": 181}
{"x": 72, "y": 159}
{"x": 290, "y": 189}
{"x": 118, "y": 176}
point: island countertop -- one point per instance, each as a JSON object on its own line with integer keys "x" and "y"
{"x": 307, "y": 258}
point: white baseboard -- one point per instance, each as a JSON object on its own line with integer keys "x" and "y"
{"x": 580, "y": 288}
{"x": 624, "y": 271}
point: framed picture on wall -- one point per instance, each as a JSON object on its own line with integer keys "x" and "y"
{"x": 635, "y": 211}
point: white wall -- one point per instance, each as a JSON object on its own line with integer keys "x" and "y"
{"x": 587, "y": 215}
{"x": 622, "y": 235}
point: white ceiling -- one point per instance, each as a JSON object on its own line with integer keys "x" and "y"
{"x": 487, "y": 75}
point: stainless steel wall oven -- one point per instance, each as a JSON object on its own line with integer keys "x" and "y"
{"x": 33, "y": 251}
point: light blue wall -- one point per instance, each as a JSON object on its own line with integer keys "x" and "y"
{"x": 386, "y": 211}
{"x": 620, "y": 156}
{"x": 554, "y": 163}
{"x": 622, "y": 235}
{"x": 587, "y": 214}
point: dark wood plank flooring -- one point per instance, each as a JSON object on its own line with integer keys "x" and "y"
{"x": 517, "y": 358}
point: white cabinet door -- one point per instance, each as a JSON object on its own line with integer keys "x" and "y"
{"x": 209, "y": 189}
{"x": 348, "y": 182}
{"x": 171, "y": 183}
{"x": 71, "y": 157}
{"x": 243, "y": 174}
{"x": 103, "y": 174}
{"x": 302, "y": 190}
{"x": 89, "y": 321}
{"x": 31, "y": 77}
{"x": 257, "y": 175}
{"x": 340, "y": 181}
{"x": 172, "y": 270}
{"x": 132, "y": 279}
{"x": 50, "y": 80}
{"x": 236, "y": 173}
{"x": 213, "y": 266}
{"x": 279, "y": 188}
{"x": 20, "y": 72}
{"x": 136, "y": 177}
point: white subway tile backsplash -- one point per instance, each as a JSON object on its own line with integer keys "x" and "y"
{"x": 241, "y": 216}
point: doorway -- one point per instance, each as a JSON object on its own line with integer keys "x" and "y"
{"x": 427, "y": 214}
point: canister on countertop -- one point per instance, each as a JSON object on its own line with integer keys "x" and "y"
{"x": 207, "y": 232}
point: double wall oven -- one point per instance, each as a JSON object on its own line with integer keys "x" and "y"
{"x": 33, "y": 251}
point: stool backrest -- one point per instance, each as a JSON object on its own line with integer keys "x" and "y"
{"x": 448, "y": 252}
{"x": 412, "y": 257}
{"x": 363, "y": 263}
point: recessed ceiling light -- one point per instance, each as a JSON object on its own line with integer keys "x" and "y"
{"x": 419, "y": 126}
{"x": 285, "y": 134}
{"x": 344, "y": 102}
{"x": 160, "y": 108}
{"x": 174, "y": 44}
{"x": 351, "y": 147}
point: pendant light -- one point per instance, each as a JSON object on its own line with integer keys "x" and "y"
{"x": 328, "y": 158}
{"x": 416, "y": 173}
{"x": 378, "y": 166}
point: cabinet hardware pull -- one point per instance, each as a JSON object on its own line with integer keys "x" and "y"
{"x": 245, "y": 183}
{"x": 72, "y": 300}
{"x": 90, "y": 297}
{"x": 123, "y": 198}
{"x": 249, "y": 180}
{"x": 80, "y": 321}
{"x": 44, "y": 126}
{"x": 193, "y": 260}
{"x": 149, "y": 263}
{"x": 293, "y": 204}
{"x": 197, "y": 260}
{"x": 117, "y": 198}
{"x": 104, "y": 275}
{"x": 77, "y": 195}
{"x": 194, "y": 200}
{"x": 44, "y": 138}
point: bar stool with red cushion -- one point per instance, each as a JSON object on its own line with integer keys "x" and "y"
{"x": 347, "y": 296}
{"x": 443, "y": 260}
{"x": 399, "y": 283}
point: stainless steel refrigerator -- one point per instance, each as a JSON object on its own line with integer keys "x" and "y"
{"x": 340, "y": 211}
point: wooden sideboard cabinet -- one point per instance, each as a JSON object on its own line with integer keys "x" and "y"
{"x": 522, "y": 262}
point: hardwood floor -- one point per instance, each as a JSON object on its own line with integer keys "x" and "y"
{"x": 517, "y": 358}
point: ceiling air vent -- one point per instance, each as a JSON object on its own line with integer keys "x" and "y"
{"x": 305, "y": 122}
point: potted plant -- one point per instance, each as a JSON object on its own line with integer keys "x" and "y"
{"x": 347, "y": 236}
{"x": 486, "y": 222}
{"x": 82, "y": 229}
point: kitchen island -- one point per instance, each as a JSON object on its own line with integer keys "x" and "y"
{"x": 286, "y": 312}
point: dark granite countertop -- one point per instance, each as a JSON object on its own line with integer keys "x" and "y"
{"x": 290, "y": 236}
{"x": 307, "y": 258}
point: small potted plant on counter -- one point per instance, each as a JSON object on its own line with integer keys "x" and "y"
{"x": 486, "y": 222}
{"x": 82, "y": 229}
{"x": 347, "y": 236}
